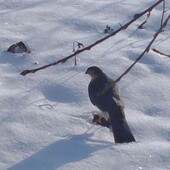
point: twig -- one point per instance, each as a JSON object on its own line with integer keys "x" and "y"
{"x": 125, "y": 26}
{"x": 155, "y": 50}
{"x": 167, "y": 10}
{"x": 146, "y": 49}
{"x": 163, "y": 12}
{"x": 79, "y": 46}
{"x": 110, "y": 85}
{"x": 141, "y": 25}
{"x": 43, "y": 105}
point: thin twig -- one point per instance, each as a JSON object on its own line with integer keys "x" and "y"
{"x": 45, "y": 105}
{"x": 141, "y": 25}
{"x": 146, "y": 49}
{"x": 167, "y": 10}
{"x": 125, "y": 26}
{"x": 163, "y": 12}
{"x": 155, "y": 50}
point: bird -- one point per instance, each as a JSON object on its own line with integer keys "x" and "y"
{"x": 105, "y": 95}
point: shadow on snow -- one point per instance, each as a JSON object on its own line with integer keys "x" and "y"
{"x": 62, "y": 152}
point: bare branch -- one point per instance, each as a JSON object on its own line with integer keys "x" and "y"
{"x": 163, "y": 12}
{"x": 167, "y": 10}
{"x": 146, "y": 49}
{"x": 141, "y": 25}
{"x": 142, "y": 54}
{"x": 161, "y": 53}
{"x": 125, "y": 26}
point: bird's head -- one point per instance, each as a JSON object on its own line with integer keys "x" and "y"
{"x": 94, "y": 71}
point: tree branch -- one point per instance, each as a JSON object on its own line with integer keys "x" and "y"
{"x": 155, "y": 50}
{"x": 141, "y": 25}
{"x": 163, "y": 12}
{"x": 129, "y": 68}
{"x": 146, "y": 49}
{"x": 125, "y": 26}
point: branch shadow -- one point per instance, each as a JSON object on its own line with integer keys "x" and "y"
{"x": 62, "y": 152}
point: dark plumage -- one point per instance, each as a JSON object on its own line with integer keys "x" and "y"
{"x": 105, "y": 95}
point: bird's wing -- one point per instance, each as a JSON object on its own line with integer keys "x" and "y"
{"x": 116, "y": 92}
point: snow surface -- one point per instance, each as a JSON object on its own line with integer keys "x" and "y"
{"x": 45, "y": 117}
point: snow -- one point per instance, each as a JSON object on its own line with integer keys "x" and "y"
{"x": 45, "y": 117}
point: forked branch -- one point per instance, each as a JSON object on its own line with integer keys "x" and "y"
{"x": 146, "y": 49}
{"x": 125, "y": 26}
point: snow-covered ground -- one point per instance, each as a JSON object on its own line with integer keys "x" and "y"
{"x": 45, "y": 117}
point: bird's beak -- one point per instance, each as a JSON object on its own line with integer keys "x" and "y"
{"x": 86, "y": 72}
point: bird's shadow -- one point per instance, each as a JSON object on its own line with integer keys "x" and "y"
{"x": 62, "y": 152}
